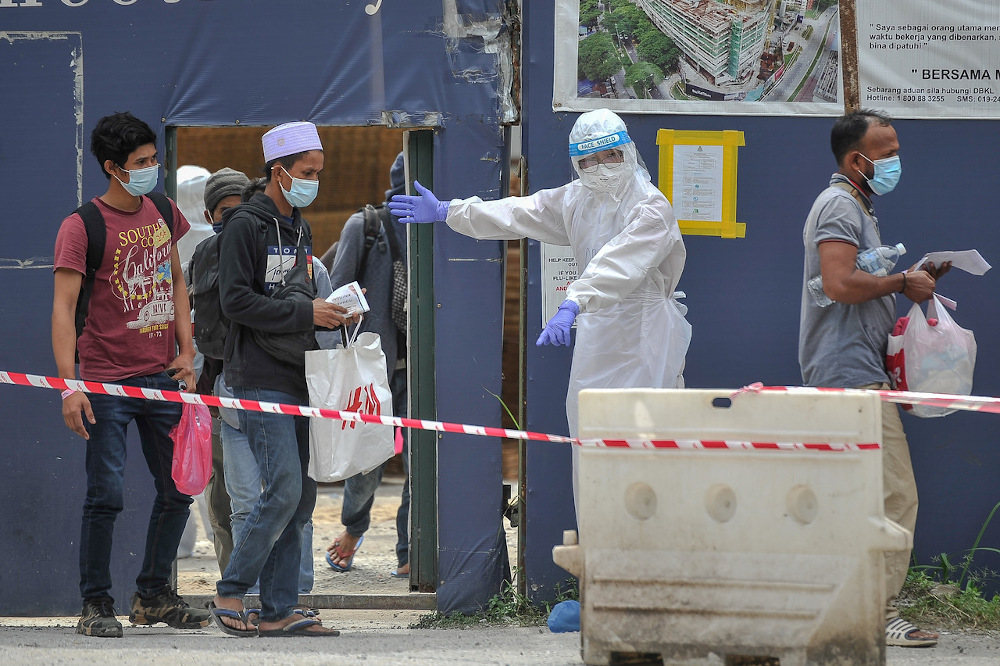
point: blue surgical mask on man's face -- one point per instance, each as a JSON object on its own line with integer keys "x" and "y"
{"x": 303, "y": 191}
{"x": 140, "y": 181}
{"x": 886, "y": 176}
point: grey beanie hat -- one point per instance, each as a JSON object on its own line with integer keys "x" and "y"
{"x": 223, "y": 183}
{"x": 397, "y": 178}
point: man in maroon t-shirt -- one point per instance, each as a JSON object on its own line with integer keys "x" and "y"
{"x": 129, "y": 338}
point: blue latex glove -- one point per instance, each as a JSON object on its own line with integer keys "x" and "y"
{"x": 421, "y": 209}
{"x": 556, "y": 332}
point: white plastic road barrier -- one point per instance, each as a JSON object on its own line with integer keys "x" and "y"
{"x": 715, "y": 554}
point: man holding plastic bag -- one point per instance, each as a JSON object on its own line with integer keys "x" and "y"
{"x": 843, "y": 344}
{"x": 268, "y": 294}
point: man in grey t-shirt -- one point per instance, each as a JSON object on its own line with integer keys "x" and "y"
{"x": 843, "y": 345}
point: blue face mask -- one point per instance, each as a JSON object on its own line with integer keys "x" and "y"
{"x": 886, "y": 176}
{"x": 303, "y": 191}
{"x": 141, "y": 181}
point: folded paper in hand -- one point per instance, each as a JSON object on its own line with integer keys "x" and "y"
{"x": 969, "y": 261}
{"x": 351, "y": 297}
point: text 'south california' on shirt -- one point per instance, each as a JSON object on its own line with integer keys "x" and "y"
{"x": 129, "y": 331}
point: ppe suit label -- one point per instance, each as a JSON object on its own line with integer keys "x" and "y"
{"x": 595, "y": 145}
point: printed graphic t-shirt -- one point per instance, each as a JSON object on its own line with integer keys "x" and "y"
{"x": 129, "y": 330}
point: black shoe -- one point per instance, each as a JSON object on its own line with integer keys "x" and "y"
{"x": 166, "y": 606}
{"x": 98, "y": 619}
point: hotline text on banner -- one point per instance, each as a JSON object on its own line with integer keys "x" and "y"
{"x": 969, "y": 403}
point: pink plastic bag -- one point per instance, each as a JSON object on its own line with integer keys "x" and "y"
{"x": 192, "y": 465}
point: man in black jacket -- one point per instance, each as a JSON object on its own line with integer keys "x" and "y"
{"x": 261, "y": 251}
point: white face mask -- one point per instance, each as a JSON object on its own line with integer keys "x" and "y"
{"x": 604, "y": 178}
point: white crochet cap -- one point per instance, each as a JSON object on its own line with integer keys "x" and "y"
{"x": 289, "y": 139}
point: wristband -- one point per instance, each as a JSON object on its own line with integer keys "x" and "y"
{"x": 67, "y": 393}
{"x": 904, "y": 283}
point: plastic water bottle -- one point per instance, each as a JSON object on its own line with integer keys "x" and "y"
{"x": 878, "y": 261}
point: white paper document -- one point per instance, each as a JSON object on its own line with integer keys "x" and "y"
{"x": 969, "y": 261}
{"x": 351, "y": 297}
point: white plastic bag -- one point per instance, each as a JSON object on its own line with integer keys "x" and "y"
{"x": 350, "y": 379}
{"x": 926, "y": 358}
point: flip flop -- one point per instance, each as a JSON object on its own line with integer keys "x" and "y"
{"x": 348, "y": 558}
{"x": 899, "y": 633}
{"x": 298, "y": 629}
{"x": 395, "y": 574}
{"x": 219, "y": 613}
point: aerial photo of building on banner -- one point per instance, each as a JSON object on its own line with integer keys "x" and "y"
{"x": 758, "y": 57}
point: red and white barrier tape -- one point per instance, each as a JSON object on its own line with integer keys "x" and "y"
{"x": 973, "y": 403}
{"x": 272, "y": 407}
{"x": 703, "y": 444}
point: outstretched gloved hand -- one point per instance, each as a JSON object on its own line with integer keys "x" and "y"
{"x": 556, "y": 332}
{"x": 419, "y": 209}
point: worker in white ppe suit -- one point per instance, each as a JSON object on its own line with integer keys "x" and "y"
{"x": 631, "y": 331}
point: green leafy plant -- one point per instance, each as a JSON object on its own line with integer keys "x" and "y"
{"x": 506, "y": 608}
{"x": 930, "y": 603}
{"x": 945, "y": 569}
{"x": 503, "y": 404}
{"x": 950, "y": 595}
{"x": 975, "y": 546}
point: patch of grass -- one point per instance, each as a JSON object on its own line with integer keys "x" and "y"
{"x": 933, "y": 595}
{"x": 927, "y": 602}
{"x": 506, "y": 609}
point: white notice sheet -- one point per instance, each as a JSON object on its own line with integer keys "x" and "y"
{"x": 698, "y": 183}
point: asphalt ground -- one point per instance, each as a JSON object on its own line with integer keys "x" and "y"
{"x": 368, "y": 637}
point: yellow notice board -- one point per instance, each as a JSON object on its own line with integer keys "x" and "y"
{"x": 698, "y": 177}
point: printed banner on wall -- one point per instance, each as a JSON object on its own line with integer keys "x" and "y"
{"x": 749, "y": 57}
{"x": 923, "y": 59}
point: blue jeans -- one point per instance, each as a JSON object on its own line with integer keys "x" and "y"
{"x": 243, "y": 484}
{"x": 106, "y": 452}
{"x": 268, "y": 545}
{"x": 359, "y": 490}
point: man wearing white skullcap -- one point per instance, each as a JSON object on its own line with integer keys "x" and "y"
{"x": 268, "y": 294}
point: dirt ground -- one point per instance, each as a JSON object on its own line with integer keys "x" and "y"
{"x": 373, "y": 564}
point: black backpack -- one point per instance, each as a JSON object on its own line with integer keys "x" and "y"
{"x": 399, "y": 278}
{"x": 375, "y": 219}
{"x": 210, "y": 325}
{"x": 93, "y": 223}
{"x": 372, "y": 225}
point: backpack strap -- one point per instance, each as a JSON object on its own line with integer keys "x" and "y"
{"x": 386, "y": 218}
{"x": 853, "y": 191}
{"x": 93, "y": 224}
{"x": 373, "y": 227}
{"x": 162, "y": 204}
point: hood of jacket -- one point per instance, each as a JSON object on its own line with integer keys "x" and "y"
{"x": 259, "y": 205}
